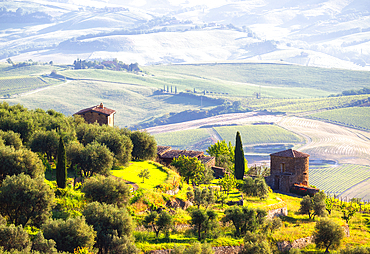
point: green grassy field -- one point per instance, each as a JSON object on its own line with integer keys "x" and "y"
{"x": 181, "y": 139}
{"x": 345, "y": 176}
{"x": 131, "y": 172}
{"x": 358, "y": 117}
{"x": 257, "y": 134}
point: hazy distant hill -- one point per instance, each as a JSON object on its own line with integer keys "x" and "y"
{"x": 322, "y": 33}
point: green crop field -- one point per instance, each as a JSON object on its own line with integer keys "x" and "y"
{"x": 131, "y": 172}
{"x": 257, "y": 134}
{"x": 181, "y": 139}
{"x": 15, "y": 85}
{"x": 337, "y": 179}
{"x": 358, "y": 117}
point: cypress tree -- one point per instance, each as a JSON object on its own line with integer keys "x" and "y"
{"x": 61, "y": 171}
{"x": 239, "y": 157}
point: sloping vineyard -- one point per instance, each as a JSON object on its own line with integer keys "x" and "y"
{"x": 356, "y": 117}
{"x": 257, "y": 134}
{"x": 15, "y": 85}
{"x": 338, "y": 179}
{"x": 303, "y": 105}
{"x": 329, "y": 141}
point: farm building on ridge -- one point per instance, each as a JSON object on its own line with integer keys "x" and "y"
{"x": 99, "y": 114}
{"x": 289, "y": 169}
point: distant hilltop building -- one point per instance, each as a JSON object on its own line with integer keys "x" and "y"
{"x": 289, "y": 169}
{"x": 99, "y": 114}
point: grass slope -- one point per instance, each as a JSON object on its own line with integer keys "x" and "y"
{"x": 131, "y": 172}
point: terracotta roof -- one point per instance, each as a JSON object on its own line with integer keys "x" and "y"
{"x": 290, "y": 153}
{"x": 162, "y": 149}
{"x": 206, "y": 159}
{"x": 98, "y": 109}
{"x": 176, "y": 153}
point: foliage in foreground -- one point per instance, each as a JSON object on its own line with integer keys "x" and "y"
{"x": 109, "y": 190}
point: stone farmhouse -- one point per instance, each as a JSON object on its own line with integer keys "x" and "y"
{"x": 289, "y": 169}
{"x": 99, "y": 114}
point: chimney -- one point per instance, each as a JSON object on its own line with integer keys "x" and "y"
{"x": 101, "y": 105}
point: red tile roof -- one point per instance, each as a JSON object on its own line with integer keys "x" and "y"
{"x": 206, "y": 159}
{"x": 98, "y": 109}
{"x": 176, "y": 153}
{"x": 162, "y": 149}
{"x": 291, "y": 154}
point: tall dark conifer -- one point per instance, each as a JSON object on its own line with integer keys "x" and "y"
{"x": 239, "y": 157}
{"x": 61, "y": 171}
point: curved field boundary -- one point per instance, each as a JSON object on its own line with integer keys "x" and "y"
{"x": 339, "y": 179}
{"x": 330, "y": 141}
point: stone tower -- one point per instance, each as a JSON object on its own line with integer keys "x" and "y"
{"x": 288, "y": 167}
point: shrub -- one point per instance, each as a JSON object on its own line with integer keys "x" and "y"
{"x": 13, "y": 237}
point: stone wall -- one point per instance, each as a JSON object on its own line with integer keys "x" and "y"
{"x": 218, "y": 250}
{"x": 277, "y": 212}
{"x": 92, "y": 117}
{"x": 298, "y": 244}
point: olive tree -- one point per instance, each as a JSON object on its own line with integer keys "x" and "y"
{"x": 109, "y": 222}
{"x": 313, "y": 206}
{"x": 25, "y": 200}
{"x": 96, "y": 159}
{"x": 14, "y": 238}
{"x": 144, "y": 145}
{"x": 45, "y": 142}
{"x": 14, "y": 162}
{"x": 69, "y": 234}
{"x": 107, "y": 190}
{"x": 158, "y": 222}
{"x": 11, "y": 138}
{"x": 327, "y": 235}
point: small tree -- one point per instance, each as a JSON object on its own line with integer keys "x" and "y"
{"x": 144, "y": 173}
{"x": 158, "y": 223}
{"x": 313, "y": 206}
{"x": 328, "y": 235}
{"x": 204, "y": 197}
{"x": 228, "y": 182}
{"x": 255, "y": 244}
{"x": 189, "y": 168}
{"x": 254, "y": 187}
{"x": 224, "y": 154}
{"x": 348, "y": 212}
{"x": 202, "y": 221}
{"x": 239, "y": 157}
{"x": 61, "y": 170}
